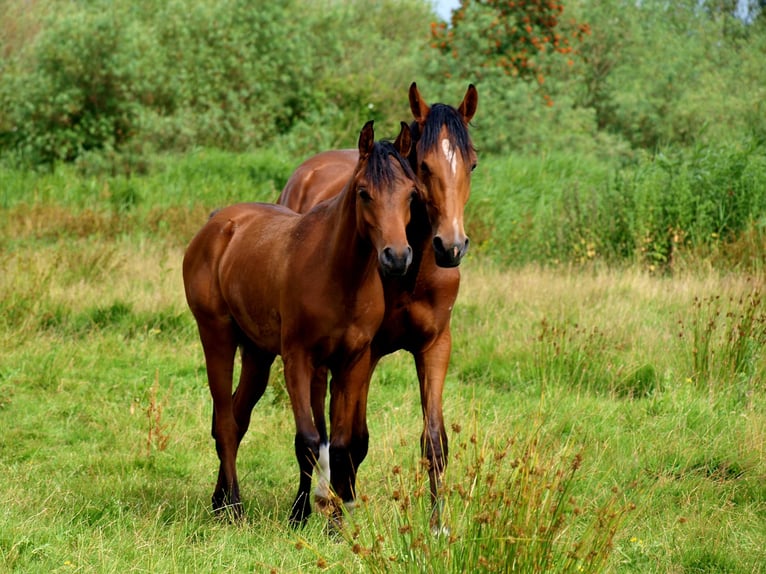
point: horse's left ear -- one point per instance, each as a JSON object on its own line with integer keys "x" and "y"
{"x": 403, "y": 141}
{"x": 468, "y": 106}
{"x": 366, "y": 140}
{"x": 419, "y": 108}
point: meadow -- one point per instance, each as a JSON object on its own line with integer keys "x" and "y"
{"x": 602, "y": 418}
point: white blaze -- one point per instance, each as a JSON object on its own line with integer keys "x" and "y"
{"x": 449, "y": 153}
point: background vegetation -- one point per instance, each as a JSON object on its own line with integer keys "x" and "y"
{"x": 605, "y": 398}
{"x": 654, "y": 110}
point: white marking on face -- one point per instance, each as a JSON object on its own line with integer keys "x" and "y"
{"x": 449, "y": 153}
{"x": 323, "y": 471}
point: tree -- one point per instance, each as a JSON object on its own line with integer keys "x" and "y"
{"x": 517, "y": 37}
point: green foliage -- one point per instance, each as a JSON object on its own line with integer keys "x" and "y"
{"x": 513, "y": 37}
{"x": 85, "y": 90}
{"x": 510, "y": 504}
{"x": 661, "y": 210}
{"x": 124, "y": 79}
{"x": 110, "y": 84}
{"x": 726, "y": 337}
{"x": 657, "y": 73}
{"x": 695, "y": 199}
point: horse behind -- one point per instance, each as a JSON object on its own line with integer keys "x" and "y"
{"x": 307, "y": 287}
{"x": 419, "y": 303}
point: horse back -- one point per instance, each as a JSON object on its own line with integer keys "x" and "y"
{"x": 318, "y": 178}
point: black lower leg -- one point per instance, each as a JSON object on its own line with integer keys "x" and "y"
{"x": 307, "y": 453}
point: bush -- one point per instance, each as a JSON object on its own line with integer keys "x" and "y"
{"x": 130, "y": 78}
{"x": 572, "y": 208}
{"x": 83, "y": 91}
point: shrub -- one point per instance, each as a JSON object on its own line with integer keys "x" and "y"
{"x": 83, "y": 91}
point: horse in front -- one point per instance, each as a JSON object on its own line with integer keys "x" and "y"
{"x": 264, "y": 279}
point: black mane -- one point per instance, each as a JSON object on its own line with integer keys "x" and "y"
{"x": 442, "y": 115}
{"x": 380, "y": 170}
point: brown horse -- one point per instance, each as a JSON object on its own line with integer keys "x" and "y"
{"x": 419, "y": 303}
{"x": 307, "y": 287}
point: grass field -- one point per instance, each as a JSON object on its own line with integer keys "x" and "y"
{"x": 600, "y": 420}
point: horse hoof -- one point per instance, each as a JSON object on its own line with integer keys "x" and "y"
{"x": 300, "y": 512}
{"x": 234, "y": 511}
{"x": 335, "y": 527}
{"x": 298, "y": 521}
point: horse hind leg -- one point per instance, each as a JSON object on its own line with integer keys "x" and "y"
{"x": 252, "y": 383}
{"x": 253, "y": 379}
{"x": 219, "y": 345}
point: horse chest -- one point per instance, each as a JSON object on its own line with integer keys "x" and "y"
{"x": 346, "y": 346}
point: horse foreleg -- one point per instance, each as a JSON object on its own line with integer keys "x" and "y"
{"x": 431, "y": 365}
{"x": 298, "y": 373}
{"x": 318, "y": 393}
{"x": 349, "y": 436}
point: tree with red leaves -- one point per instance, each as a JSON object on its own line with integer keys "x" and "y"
{"x": 516, "y": 37}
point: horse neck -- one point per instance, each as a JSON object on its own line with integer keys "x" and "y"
{"x": 350, "y": 255}
{"x": 419, "y": 232}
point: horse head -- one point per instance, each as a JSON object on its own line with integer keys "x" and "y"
{"x": 444, "y": 158}
{"x": 385, "y": 185}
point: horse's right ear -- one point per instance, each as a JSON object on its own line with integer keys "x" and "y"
{"x": 419, "y": 108}
{"x": 403, "y": 141}
{"x": 470, "y": 101}
{"x": 366, "y": 140}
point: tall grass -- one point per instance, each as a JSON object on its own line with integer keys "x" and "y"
{"x": 666, "y": 213}
{"x": 663, "y": 211}
{"x": 509, "y": 506}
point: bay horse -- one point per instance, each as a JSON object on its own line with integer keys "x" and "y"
{"x": 418, "y": 303}
{"x": 308, "y": 287}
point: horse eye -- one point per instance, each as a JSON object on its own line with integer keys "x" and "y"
{"x": 424, "y": 169}
{"x": 364, "y": 195}
{"x": 473, "y": 167}
{"x": 413, "y": 194}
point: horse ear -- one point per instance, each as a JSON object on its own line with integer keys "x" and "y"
{"x": 419, "y": 108}
{"x": 468, "y": 106}
{"x": 366, "y": 140}
{"x": 403, "y": 141}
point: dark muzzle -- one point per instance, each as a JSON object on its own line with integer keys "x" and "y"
{"x": 393, "y": 263}
{"x": 449, "y": 255}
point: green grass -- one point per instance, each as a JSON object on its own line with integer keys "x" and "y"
{"x": 587, "y": 432}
